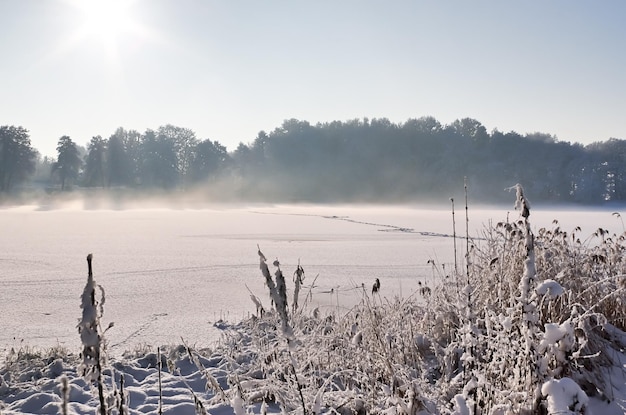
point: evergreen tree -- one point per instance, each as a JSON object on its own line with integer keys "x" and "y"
{"x": 17, "y": 156}
{"x": 68, "y": 164}
{"x": 95, "y": 164}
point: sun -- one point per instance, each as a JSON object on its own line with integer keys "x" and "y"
{"x": 106, "y": 21}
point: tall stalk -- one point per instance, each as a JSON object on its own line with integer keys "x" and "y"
{"x": 528, "y": 309}
{"x": 456, "y": 268}
{"x": 467, "y": 244}
{"x": 122, "y": 410}
{"x": 91, "y": 334}
{"x": 65, "y": 394}
{"x": 468, "y": 291}
{"x": 160, "y": 368}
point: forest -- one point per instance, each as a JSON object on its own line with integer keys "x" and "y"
{"x": 360, "y": 160}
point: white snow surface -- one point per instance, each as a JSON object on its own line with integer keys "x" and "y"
{"x": 174, "y": 275}
{"x": 171, "y": 273}
{"x": 549, "y": 287}
{"x": 564, "y": 396}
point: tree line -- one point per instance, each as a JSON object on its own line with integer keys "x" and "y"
{"x": 371, "y": 160}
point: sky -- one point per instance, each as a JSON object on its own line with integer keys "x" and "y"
{"x": 229, "y": 69}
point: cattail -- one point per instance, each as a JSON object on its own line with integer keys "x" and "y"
{"x": 261, "y": 256}
{"x": 90, "y": 334}
{"x": 376, "y": 286}
{"x": 298, "y": 279}
{"x": 281, "y": 288}
{"x": 278, "y": 290}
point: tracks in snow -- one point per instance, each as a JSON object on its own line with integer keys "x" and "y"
{"x": 142, "y": 328}
{"x": 384, "y": 227}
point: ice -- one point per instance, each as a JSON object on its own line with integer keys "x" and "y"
{"x": 173, "y": 273}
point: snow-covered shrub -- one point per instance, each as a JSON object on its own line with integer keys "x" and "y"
{"x": 541, "y": 305}
{"x": 371, "y": 359}
{"x": 564, "y": 396}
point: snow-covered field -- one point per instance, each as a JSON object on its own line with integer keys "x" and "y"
{"x": 174, "y": 274}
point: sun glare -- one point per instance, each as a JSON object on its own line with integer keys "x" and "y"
{"x": 107, "y": 21}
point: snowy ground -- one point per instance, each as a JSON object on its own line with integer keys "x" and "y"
{"x": 173, "y": 273}
{"x": 229, "y": 379}
{"x": 182, "y": 274}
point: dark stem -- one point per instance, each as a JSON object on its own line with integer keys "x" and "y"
{"x": 467, "y": 244}
{"x": 89, "y": 257}
{"x": 454, "y": 238}
{"x": 103, "y": 407}
{"x": 295, "y": 374}
{"x": 122, "y": 409}
{"x": 160, "y": 367}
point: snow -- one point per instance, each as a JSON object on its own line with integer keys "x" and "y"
{"x": 461, "y": 407}
{"x": 555, "y": 333}
{"x": 549, "y": 287}
{"x": 172, "y": 273}
{"x": 181, "y": 275}
{"x": 564, "y": 396}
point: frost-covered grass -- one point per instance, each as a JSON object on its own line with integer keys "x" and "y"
{"x": 543, "y": 307}
{"x": 383, "y": 356}
{"x": 533, "y": 324}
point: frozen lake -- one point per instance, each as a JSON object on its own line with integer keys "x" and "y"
{"x": 172, "y": 273}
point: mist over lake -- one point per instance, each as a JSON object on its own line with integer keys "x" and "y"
{"x": 172, "y": 273}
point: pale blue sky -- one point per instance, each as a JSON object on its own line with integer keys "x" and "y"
{"x": 228, "y": 69}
